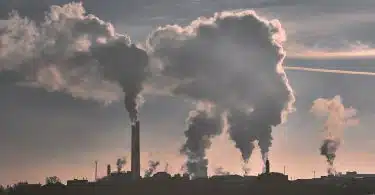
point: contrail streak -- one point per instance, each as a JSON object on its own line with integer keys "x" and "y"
{"x": 329, "y": 70}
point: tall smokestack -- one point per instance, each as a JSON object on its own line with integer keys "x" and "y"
{"x": 267, "y": 166}
{"x": 96, "y": 170}
{"x": 108, "y": 170}
{"x": 135, "y": 155}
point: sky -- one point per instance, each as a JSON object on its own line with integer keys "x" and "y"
{"x": 51, "y": 133}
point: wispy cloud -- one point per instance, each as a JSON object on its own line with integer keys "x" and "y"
{"x": 347, "y": 50}
{"x": 329, "y": 70}
{"x": 369, "y": 53}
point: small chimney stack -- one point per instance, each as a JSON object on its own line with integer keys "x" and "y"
{"x": 96, "y": 170}
{"x": 108, "y": 170}
{"x": 267, "y": 166}
{"x": 135, "y": 154}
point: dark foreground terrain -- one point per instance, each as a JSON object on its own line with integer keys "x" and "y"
{"x": 277, "y": 184}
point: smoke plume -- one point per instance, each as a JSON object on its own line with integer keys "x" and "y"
{"x": 203, "y": 124}
{"x": 125, "y": 65}
{"x": 248, "y": 127}
{"x": 233, "y": 60}
{"x": 240, "y": 133}
{"x": 337, "y": 118}
{"x": 76, "y": 53}
{"x": 328, "y": 149}
{"x": 120, "y": 163}
{"x": 152, "y": 166}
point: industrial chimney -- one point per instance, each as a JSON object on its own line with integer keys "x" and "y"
{"x": 96, "y": 170}
{"x": 135, "y": 155}
{"x": 108, "y": 170}
{"x": 267, "y": 166}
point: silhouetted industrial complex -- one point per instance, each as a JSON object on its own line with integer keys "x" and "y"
{"x": 120, "y": 182}
{"x": 131, "y": 182}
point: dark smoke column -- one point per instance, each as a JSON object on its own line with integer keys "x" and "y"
{"x": 127, "y": 65}
{"x": 240, "y": 133}
{"x": 328, "y": 149}
{"x": 246, "y": 127}
{"x": 203, "y": 125}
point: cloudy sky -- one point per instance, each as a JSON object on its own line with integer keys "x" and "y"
{"x": 50, "y": 133}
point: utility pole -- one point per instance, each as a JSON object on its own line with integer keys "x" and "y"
{"x": 314, "y": 174}
{"x": 96, "y": 170}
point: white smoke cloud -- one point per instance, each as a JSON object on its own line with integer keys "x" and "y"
{"x": 235, "y": 61}
{"x": 232, "y": 59}
{"x": 337, "y": 118}
{"x": 76, "y": 53}
{"x": 45, "y": 53}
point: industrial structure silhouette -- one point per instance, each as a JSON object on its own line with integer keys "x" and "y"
{"x": 126, "y": 65}
{"x": 163, "y": 183}
{"x": 131, "y": 182}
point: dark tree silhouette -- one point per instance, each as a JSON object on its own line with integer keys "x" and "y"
{"x": 2, "y": 190}
{"x": 53, "y": 180}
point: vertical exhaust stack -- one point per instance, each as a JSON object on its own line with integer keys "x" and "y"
{"x": 108, "y": 170}
{"x": 135, "y": 155}
{"x": 96, "y": 170}
{"x": 267, "y": 166}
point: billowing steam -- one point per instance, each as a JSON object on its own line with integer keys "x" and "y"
{"x": 240, "y": 133}
{"x": 337, "y": 119}
{"x": 76, "y": 53}
{"x": 120, "y": 163}
{"x": 152, "y": 166}
{"x": 248, "y": 127}
{"x": 203, "y": 124}
{"x": 233, "y": 60}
